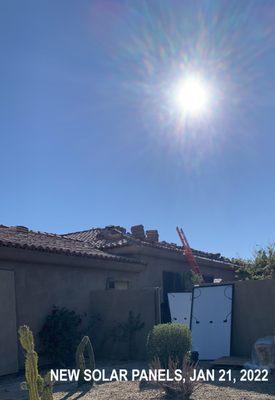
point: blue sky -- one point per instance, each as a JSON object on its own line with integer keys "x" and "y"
{"x": 89, "y": 138}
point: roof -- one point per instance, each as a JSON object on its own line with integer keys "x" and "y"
{"x": 103, "y": 238}
{"x": 116, "y": 236}
{"x": 21, "y": 237}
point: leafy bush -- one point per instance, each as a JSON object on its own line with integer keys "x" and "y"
{"x": 189, "y": 279}
{"x": 60, "y": 336}
{"x": 126, "y": 332}
{"x": 260, "y": 266}
{"x": 168, "y": 341}
{"x": 93, "y": 325}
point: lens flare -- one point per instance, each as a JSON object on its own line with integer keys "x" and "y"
{"x": 195, "y": 72}
{"x": 192, "y": 96}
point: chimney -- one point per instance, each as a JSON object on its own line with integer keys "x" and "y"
{"x": 152, "y": 235}
{"x": 138, "y": 231}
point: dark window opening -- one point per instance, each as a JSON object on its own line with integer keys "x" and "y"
{"x": 172, "y": 282}
{"x": 117, "y": 284}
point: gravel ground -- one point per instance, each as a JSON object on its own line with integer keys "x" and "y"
{"x": 10, "y": 390}
{"x": 130, "y": 390}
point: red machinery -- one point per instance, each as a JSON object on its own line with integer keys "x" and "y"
{"x": 187, "y": 251}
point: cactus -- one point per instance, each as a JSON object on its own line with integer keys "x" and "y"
{"x": 35, "y": 384}
{"x": 47, "y": 390}
{"x": 31, "y": 369}
{"x": 83, "y": 363}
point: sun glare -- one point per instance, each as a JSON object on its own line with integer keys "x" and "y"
{"x": 192, "y": 96}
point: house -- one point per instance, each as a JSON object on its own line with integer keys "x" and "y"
{"x": 164, "y": 261}
{"x": 39, "y": 270}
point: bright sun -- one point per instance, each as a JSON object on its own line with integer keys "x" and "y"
{"x": 192, "y": 96}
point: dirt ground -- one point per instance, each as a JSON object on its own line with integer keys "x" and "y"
{"x": 10, "y": 390}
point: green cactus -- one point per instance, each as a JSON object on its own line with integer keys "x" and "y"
{"x": 47, "y": 390}
{"x": 35, "y": 384}
{"x": 83, "y": 363}
{"x": 31, "y": 369}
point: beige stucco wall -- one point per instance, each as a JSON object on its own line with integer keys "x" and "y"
{"x": 8, "y": 338}
{"x": 158, "y": 261}
{"x": 113, "y": 307}
{"x": 253, "y": 314}
{"x": 42, "y": 281}
{"x": 152, "y": 276}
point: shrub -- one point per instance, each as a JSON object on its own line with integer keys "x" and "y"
{"x": 93, "y": 325}
{"x": 126, "y": 332}
{"x": 260, "y": 266}
{"x": 168, "y": 341}
{"x": 60, "y": 336}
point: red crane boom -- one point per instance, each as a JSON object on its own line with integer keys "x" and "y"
{"x": 187, "y": 251}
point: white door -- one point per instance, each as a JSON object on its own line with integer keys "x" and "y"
{"x": 180, "y": 307}
{"x": 211, "y": 321}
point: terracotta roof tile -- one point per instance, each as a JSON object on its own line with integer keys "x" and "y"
{"x": 113, "y": 236}
{"x": 21, "y": 237}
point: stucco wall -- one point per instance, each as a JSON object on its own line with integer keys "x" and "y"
{"x": 152, "y": 276}
{"x": 8, "y": 338}
{"x": 42, "y": 280}
{"x": 39, "y": 286}
{"x": 253, "y": 314}
{"x": 113, "y": 307}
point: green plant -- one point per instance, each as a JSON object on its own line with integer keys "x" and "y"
{"x": 93, "y": 325}
{"x": 35, "y": 384}
{"x": 186, "y": 281}
{"x": 260, "y": 266}
{"x": 82, "y": 362}
{"x": 47, "y": 387}
{"x": 168, "y": 341}
{"x": 31, "y": 369}
{"x": 126, "y": 332}
{"x": 60, "y": 335}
